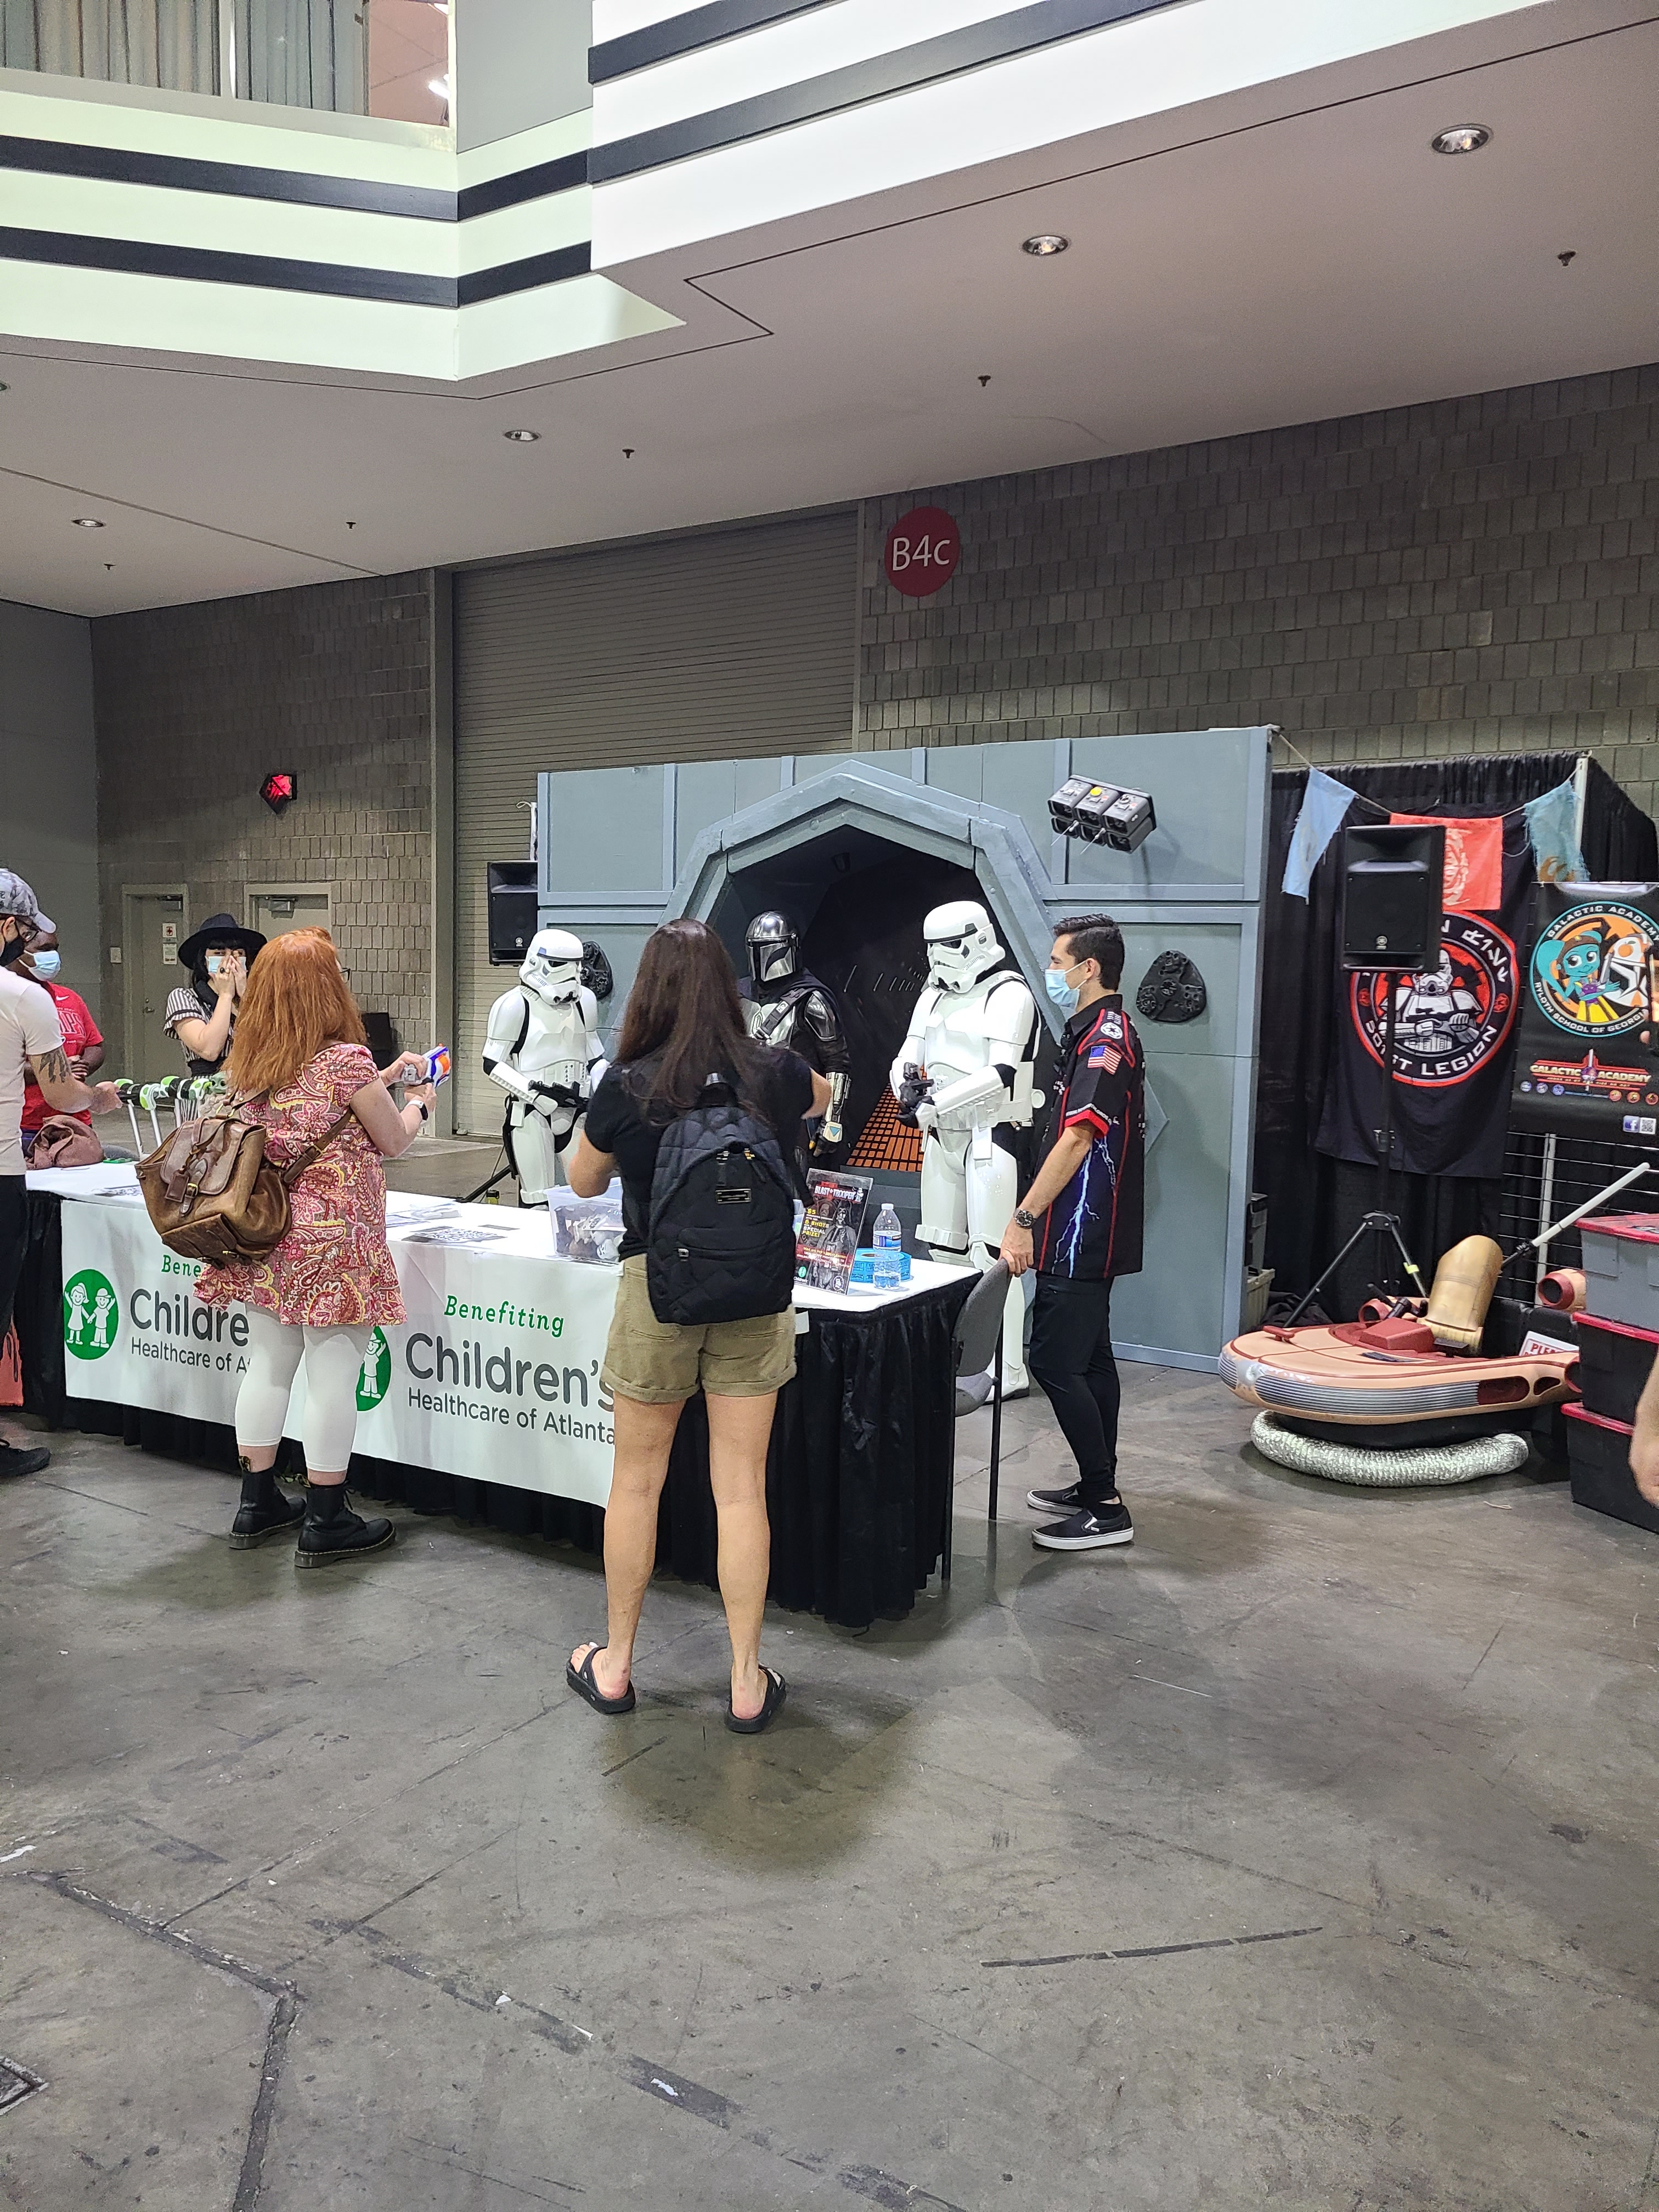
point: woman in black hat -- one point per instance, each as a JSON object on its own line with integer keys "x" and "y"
{"x": 202, "y": 1014}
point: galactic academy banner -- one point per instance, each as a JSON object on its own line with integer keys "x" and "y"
{"x": 495, "y": 1376}
{"x": 1589, "y": 1059}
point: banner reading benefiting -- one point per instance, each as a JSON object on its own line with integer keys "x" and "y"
{"x": 495, "y": 1376}
{"x": 1589, "y": 1059}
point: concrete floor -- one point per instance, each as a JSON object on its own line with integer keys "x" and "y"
{"x": 1304, "y": 1853}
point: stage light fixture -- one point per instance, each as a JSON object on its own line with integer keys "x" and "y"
{"x": 278, "y": 790}
{"x": 1102, "y": 814}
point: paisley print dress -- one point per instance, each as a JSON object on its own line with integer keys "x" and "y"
{"x": 332, "y": 1270}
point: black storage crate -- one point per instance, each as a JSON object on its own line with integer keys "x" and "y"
{"x": 1598, "y": 1455}
{"x": 1614, "y": 1361}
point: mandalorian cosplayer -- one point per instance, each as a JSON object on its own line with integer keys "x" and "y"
{"x": 785, "y": 1004}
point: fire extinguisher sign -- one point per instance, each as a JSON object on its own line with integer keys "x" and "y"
{"x": 923, "y": 547}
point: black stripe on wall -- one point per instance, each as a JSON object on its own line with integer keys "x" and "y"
{"x": 684, "y": 34}
{"x": 201, "y": 264}
{"x": 296, "y": 187}
{"x": 998, "y": 38}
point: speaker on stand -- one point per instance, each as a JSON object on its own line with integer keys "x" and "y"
{"x": 1393, "y": 894}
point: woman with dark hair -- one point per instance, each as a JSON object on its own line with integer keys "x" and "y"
{"x": 200, "y": 1015}
{"x": 683, "y": 1027}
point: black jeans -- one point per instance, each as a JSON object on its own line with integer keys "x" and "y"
{"x": 1071, "y": 1359}
{"x": 13, "y": 1242}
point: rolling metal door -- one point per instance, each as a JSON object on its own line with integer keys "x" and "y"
{"x": 732, "y": 642}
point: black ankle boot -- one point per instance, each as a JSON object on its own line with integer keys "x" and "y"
{"x": 265, "y": 1510}
{"x": 332, "y": 1531}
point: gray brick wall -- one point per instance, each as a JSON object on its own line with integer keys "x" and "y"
{"x": 194, "y": 704}
{"x": 1476, "y": 574}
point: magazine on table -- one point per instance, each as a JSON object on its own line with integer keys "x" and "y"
{"x": 827, "y": 1240}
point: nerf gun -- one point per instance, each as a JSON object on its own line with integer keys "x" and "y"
{"x": 437, "y": 1065}
{"x": 915, "y": 1087}
{"x": 152, "y": 1096}
{"x": 127, "y": 1092}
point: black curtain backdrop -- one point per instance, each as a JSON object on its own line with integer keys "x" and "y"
{"x": 1315, "y": 1203}
{"x": 857, "y": 1476}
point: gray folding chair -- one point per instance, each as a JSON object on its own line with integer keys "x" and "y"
{"x": 977, "y": 1345}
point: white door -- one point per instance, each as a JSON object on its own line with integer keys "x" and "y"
{"x": 154, "y": 926}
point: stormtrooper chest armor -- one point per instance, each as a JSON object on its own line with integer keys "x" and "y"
{"x": 555, "y": 1047}
{"x": 955, "y": 1042}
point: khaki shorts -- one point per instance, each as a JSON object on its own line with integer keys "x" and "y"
{"x": 658, "y": 1363}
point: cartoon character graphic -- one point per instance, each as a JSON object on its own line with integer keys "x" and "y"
{"x": 77, "y": 1330}
{"x": 102, "y": 1312}
{"x": 1589, "y": 971}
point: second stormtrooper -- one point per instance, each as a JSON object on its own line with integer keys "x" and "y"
{"x": 964, "y": 1077}
{"x": 542, "y": 1047}
{"x": 785, "y": 1004}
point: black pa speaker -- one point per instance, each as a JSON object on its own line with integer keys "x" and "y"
{"x": 1393, "y": 878}
{"x": 512, "y": 910}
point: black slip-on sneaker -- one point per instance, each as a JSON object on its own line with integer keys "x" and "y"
{"x": 1056, "y": 1501}
{"x": 1096, "y": 1530}
{"x": 23, "y": 1459}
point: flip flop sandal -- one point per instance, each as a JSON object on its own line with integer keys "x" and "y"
{"x": 580, "y": 1680}
{"x": 776, "y": 1691}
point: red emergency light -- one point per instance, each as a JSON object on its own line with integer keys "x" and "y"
{"x": 278, "y": 790}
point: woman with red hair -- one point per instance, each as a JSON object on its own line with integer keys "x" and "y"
{"x": 300, "y": 1065}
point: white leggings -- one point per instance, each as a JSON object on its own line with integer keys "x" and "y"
{"x": 334, "y": 1361}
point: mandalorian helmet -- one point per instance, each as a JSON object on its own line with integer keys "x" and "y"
{"x": 962, "y": 945}
{"x": 773, "y": 948}
{"x": 553, "y": 966}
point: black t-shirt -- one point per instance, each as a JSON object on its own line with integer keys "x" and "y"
{"x": 782, "y": 1095}
{"x": 1093, "y": 1231}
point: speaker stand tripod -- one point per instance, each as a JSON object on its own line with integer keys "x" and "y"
{"x": 1380, "y": 1225}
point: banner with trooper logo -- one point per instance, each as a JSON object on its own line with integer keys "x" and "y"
{"x": 1589, "y": 1059}
{"x": 1454, "y": 1025}
{"x": 494, "y": 1374}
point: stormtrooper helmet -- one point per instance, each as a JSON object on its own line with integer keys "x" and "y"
{"x": 773, "y": 948}
{"x": 962, "y": 945}
{"x": 553, "y": 966}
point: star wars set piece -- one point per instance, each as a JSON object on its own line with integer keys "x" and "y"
{"x": 784, "y": 1004}
{"x": 542, "y": 1047}
{"x": 964, "y": 1078}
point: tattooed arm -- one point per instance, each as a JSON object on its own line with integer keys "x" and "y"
{"x": 65, "y": 1090}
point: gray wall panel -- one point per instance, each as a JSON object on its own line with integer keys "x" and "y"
{"x": 707, "y": 648}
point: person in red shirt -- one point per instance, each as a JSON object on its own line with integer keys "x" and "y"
{"x": 82, "y": 1043}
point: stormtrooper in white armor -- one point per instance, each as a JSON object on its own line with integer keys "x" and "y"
{"x": 964, "y": 1078}
{"x": 542, "y": 1047}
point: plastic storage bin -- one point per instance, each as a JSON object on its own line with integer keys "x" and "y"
{"x": 1621, "y": 1267}
{"x": 1598, "y": 1469}
{"x": 1614, "y": 1362}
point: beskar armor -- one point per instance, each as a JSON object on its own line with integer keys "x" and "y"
{"x": 972, "y": 1040}
{"x": 542, "y": 1047}
{"x": 784, "y": 1004}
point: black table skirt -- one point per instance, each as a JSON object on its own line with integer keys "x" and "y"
{"x": 858, "y": 1474}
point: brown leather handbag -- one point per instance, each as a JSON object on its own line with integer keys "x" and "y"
{"x": 213, "y": 1196}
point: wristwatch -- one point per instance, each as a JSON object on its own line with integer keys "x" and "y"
{"x": 1023, "y": 1219}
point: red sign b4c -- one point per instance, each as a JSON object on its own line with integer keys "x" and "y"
{"x": 921, "y": 552}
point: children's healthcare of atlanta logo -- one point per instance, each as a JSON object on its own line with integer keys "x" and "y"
{"x": 91, "y": 1313}
{"x": 374, "y": 1378}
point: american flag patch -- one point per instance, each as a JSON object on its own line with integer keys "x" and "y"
{"x": 1104, "y": 1057}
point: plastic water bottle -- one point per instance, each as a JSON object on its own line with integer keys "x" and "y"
{"x": 888, "y": 1243}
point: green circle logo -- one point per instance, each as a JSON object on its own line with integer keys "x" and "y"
{"x": 374, "y": 1377}
{"x": 91, "y": 1312}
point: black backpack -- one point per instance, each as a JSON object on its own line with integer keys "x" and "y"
{"x": 720, "y": 1245}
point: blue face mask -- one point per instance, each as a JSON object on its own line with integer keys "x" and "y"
{"x": 1064, "y": 995}
{"x": 46, "y": 965}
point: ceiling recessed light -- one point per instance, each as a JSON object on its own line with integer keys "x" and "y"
{"x": 88, "y": 522}
{"x": 1462, "y": 138}
{"x": 1045, "y": 243}
{"x": 522, "y": 437}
